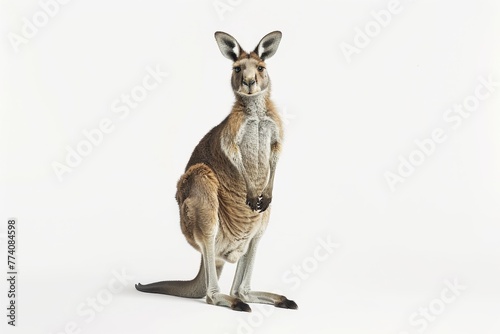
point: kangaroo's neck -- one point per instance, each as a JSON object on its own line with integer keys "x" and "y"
{"x": 253, "y": 105}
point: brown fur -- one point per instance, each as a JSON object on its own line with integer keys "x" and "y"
{"x": 236, "y": 220}
{"x": 225, "y": 191}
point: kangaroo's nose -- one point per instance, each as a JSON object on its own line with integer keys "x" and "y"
{"x": 249, "y": 81}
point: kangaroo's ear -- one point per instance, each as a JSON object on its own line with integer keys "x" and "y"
{"x": 268, "y": 45}
{"x": 228, "y": 45}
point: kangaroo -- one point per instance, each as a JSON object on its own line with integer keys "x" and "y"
{"x": 225, "y": 192}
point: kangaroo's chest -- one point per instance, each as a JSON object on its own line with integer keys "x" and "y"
{"x": 257, "y": 135}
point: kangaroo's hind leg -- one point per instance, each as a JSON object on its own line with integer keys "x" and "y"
{"x": 241, "y": 284}
{"x": 200, "y": 223}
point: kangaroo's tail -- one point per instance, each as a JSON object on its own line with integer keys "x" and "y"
{"x": 195, "y": 288}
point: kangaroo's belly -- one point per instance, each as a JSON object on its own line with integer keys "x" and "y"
{"x": 231, "y": 247}
{"x": 238, "y": 224}
{"x": 231, "y": 250}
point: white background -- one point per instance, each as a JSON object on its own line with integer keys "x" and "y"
{"x": 347, "y": 124}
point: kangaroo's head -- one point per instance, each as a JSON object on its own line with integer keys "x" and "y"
{"x": 249, "y": 76}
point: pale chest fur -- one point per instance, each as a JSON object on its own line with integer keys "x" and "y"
{"x": 255, "y": 137}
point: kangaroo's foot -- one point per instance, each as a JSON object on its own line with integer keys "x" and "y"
{"x": 232, "y": 302}
{"x": 267, "y": 298}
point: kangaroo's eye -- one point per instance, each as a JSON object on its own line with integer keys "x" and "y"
{"x": 237, "y": 69}
{"x": 260, "y": 68}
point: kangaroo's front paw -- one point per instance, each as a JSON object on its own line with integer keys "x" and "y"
{"x": 254, "y": 202}
{"x": 264, "y": 202}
